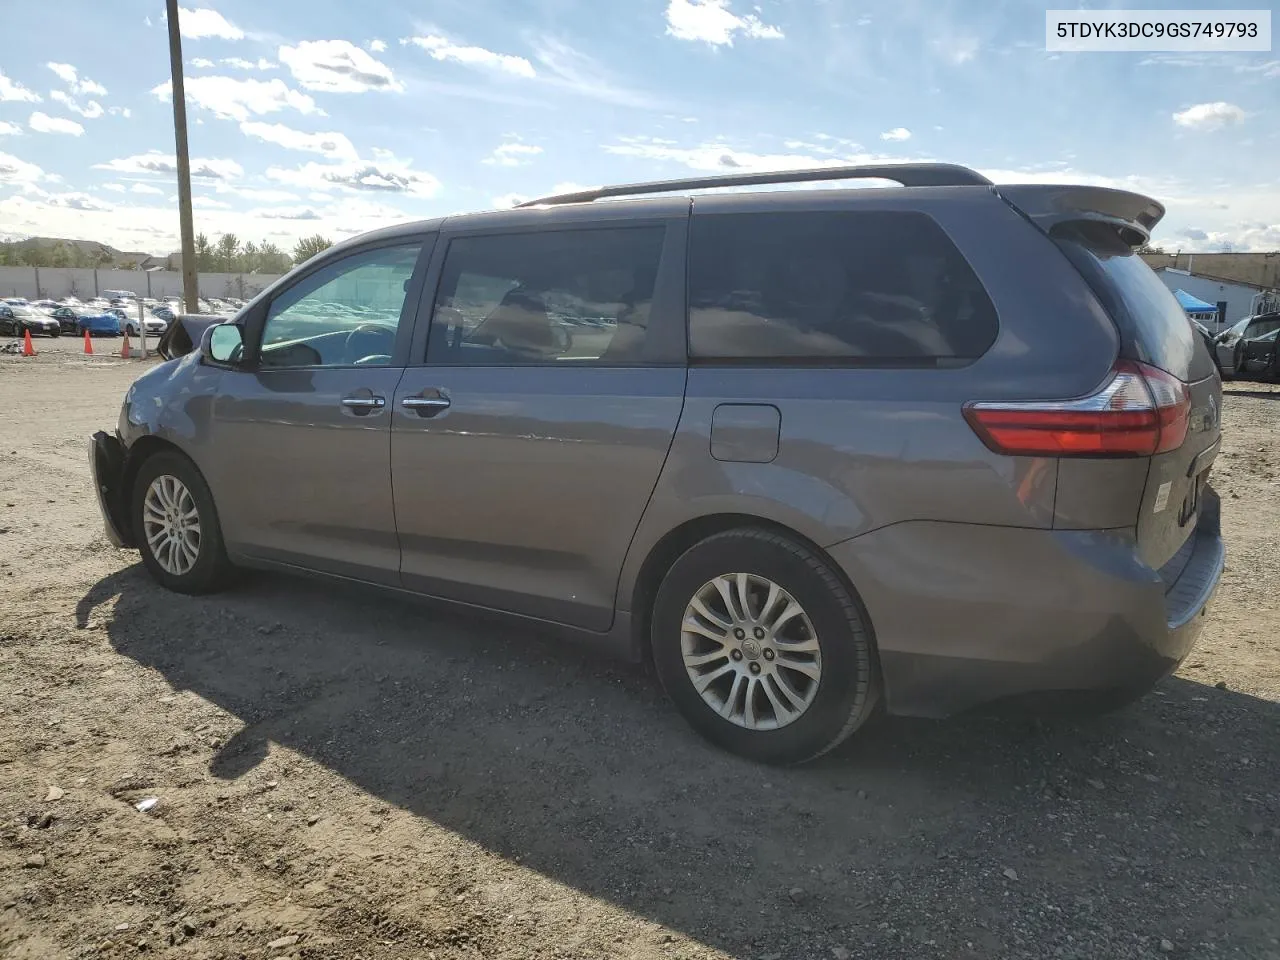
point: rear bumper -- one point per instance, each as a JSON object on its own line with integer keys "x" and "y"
{"x": 106, "y": 467}
{"x": 966, "y": 615}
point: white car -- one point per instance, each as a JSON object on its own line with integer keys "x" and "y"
{"x": 153, "y": 325}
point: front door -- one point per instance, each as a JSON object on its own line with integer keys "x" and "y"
{"x": 525, "y": 449}
{"x": 304, "y": 434}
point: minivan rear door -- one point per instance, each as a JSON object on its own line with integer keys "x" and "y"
{"x": 1155, "y": 330}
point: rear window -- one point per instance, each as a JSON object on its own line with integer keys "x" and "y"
{"x": 880, "y": 287}
{"x": 1154, "y": 327}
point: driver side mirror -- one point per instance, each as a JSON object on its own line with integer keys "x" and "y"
{"x": 222, "y": 344}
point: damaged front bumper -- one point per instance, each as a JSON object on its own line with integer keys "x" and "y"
{"x": 106, "y": 465}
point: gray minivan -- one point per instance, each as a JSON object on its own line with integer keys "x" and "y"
{"x": 809, "y": 450}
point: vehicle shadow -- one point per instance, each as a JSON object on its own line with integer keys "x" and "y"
{"x": 983, "y": 835}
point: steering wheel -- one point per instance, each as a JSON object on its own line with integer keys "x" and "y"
{"x": 370, "y": 343}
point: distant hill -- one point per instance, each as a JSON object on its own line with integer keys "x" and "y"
{"x": 62, "y": 252}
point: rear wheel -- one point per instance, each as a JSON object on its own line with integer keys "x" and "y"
{"x": 762, "y": 647}
{"x": 176, "y": 526}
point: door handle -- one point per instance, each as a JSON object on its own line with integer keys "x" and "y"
{"x": 364, "y": 404}
{"x": 426, "y": 406}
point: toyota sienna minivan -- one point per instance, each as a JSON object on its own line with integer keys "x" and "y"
{"x": 810, "y": 451}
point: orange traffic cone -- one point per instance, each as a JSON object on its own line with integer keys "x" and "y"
{"x": 124, "y": 350}
{"x": 28, "y": 348}
{"x": 88, "y": 344}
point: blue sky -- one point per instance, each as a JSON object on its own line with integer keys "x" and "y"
{"x": 334, "y": 116}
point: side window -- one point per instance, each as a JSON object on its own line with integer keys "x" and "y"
{"x": 567, "y": 296}
{"x": 880, "y": 286}
{"x": 346, "y": 313}
{"x": 1260, "y": 328}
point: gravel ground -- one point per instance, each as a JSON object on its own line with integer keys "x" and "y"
{"x": 341, "y": 775}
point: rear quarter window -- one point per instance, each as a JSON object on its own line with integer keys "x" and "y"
{"x": 1153, "y": 326}
{"x": 877, "y": 287}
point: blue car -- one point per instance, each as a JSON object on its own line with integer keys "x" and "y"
{"x": 98, "y": 324}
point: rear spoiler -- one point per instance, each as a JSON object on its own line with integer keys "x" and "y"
{"x": 1132, "y": 214}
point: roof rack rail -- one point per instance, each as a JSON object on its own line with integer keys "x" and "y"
{"x": 907, "y": 174}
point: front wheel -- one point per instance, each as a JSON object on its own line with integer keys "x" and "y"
{"x": 763, "y": 648}
{"x": 176, "y": 526}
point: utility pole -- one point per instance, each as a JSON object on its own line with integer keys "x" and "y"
{"x": 190, "y": 291}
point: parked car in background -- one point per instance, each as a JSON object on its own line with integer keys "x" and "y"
{"x": 1258, "y": 358}
{"x": 17, "y": 319}
{"x": 48, "y": 306}
{"x": 816, "y": 451}
{"x": 1230, "y": 345}
{"x": 100, "y": 324}
{"x": 69, "y": 318}
{"x": 153, "y": 325}
{"x": 163, "y": 311}
{"x": 17, "y": 301}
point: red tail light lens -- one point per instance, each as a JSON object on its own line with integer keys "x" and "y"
{"x": 1140, "y": 411}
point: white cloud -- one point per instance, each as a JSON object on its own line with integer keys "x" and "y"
{"x": 146, "y": 188}
{"x": 287, "y": 213}
{"x": 711, "y": 21}
{"x": 120, "y": 112}
{"x": 8, "y": 129}
{"x": 896, "y": 134}
{"x": 76, "y": 83}
{"x": 956, "y": 49}
{"x": 201, "y": 62}
{"x": 375, "y": 176}
{"x": 574, "y": 71}
{"x": 233, "y": 99}
{"x": 443, "y": 49}
{"x": 164, "y": 163}
{"x": 199, "y": 23}
{"x": 43, "y": 123}
{"x": 114, "y": 187}
{"x": 13, "y": 170}
{"x": 239, "y": 63}
{"x": 90, "y": 111}
{"x": 512, "y": 155}
{"x": 261, "y": 194}
{"x": 334, "y": 146}
{"x": 337, "y": 66}
{"x": 507, "y": 200}
{"x": 208, "y": 203}
{"x": 719, "y": 157}
{"x": 12, "y": 90}
{"x": 377, "y": 46}
{"x": 1209, "y": 116}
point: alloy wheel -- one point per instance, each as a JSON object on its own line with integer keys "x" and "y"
{"x": 171, "y": 523}
{"x": 751, "y": 651}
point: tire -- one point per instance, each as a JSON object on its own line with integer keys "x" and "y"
{"x": 211, "y": 570}
{"x": 56, "y": 333}
{"x": 847, "y": 686}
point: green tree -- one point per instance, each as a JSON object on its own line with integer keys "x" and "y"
{"x": 204, "y": 253}
{"x": 226, "y": 251}
{"x": 271, "y": 259}
{"x": 58, "y": 256}
{"x": 250, "y": 259}
{"x": 308, "y": 247}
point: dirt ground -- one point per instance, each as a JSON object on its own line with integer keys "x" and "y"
{"x": 341, "y": 775}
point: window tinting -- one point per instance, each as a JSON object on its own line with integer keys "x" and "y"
{"x": 874, "y": 285}
{"x": 345, "y": 313}
{"x": 1151, "y": 321}
{"x": 557, "y": 297}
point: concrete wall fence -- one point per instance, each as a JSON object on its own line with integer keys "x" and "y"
{"x": 36, "y": 283}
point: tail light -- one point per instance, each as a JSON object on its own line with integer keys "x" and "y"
{"x": 1140, "y": 411}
